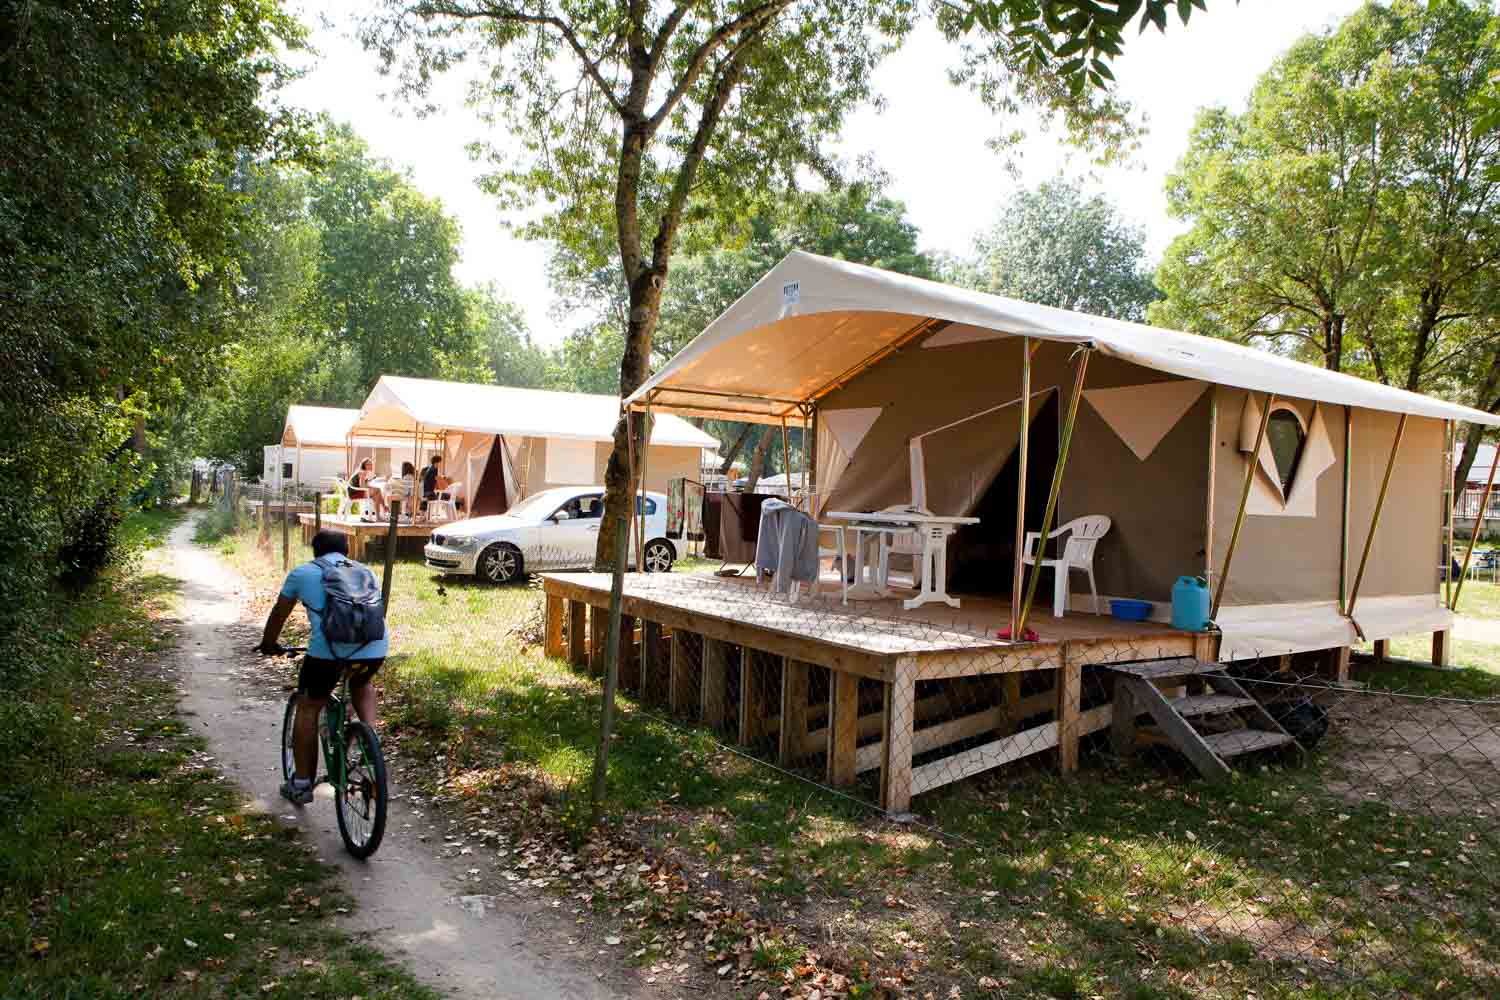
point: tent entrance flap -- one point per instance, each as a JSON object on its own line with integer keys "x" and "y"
{"x": 982, "y": 554}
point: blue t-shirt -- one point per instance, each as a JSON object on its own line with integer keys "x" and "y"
{"x": 305, "y": 584}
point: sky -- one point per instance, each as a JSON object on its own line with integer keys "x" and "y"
{"x": 929, "y": 138}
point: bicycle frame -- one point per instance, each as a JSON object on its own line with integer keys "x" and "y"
{"x": 332, "y": 735}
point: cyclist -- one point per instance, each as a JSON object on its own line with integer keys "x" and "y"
{"x": 323, "y": 665}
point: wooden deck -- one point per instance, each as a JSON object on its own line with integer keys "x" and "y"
{"x": 360, "y": 532}
{"x": 720, "y": 621}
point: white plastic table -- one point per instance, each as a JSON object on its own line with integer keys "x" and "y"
{"x": 933, "y": 529}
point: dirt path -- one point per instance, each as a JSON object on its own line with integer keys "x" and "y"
{"x": 412, "y": 904}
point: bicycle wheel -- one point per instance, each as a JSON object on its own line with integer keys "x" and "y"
{"x": 361, "y": 801}
{"x": 288, "y": 764}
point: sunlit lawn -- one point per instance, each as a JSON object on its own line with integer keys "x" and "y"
{"x": 1120, "y": 882}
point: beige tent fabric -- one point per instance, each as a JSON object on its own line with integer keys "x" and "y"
{"x": 1406, "y": 555}
{"x": 1143, "y": 414}
{"x": 967, "y": 454}
{"x": 839, "y": 434}
{"x": 808, "y": 324}
{"x": 1267, "y": 630}
{"x": 1317, "y": 458}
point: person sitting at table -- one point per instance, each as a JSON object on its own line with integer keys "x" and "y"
{"x": 402, "y": 487}
{"x": 433, "y": 480}
{"x": 360, "y": 487}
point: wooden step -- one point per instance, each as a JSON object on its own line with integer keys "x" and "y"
{"x": 1157, "y": 670}
{"x": 1208, "y": 704}
{"x": 1240, "y": 741}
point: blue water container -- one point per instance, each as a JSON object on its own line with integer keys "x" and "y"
{"x": 1190, "y": 604}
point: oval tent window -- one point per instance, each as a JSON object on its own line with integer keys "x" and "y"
{"x": 1286, "y": 437}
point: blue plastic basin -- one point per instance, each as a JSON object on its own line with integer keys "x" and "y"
{"x": 1130, "y": 611}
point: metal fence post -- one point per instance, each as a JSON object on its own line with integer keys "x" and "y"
{"x": 611, "y": 673}
{"x": 317, "y": 512}
{"x": 390, "y": 555}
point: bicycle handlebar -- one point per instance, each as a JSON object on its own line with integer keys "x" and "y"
{"x": 283, "y": 650}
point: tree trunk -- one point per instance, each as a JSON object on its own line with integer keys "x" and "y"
{"x": 1486, "y": 398}
{"x": 620, "y": 481}
{"x": 734, "y": 449}
{"x": 758, "y": 460}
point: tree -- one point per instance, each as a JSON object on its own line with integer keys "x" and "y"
{"x": 511, "y": 356}
{"x": 634, "y": 120}
{"x": 1057, "y": 247}
{"x": 386, "y": 255}
{"x": 1349, "y": 215}
{"x": 118, "y": 245}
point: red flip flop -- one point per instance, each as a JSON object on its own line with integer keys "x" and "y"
{"x": 1028, "y": 636}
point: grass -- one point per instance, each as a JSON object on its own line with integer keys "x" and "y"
{"x": 129, "y": 868}
{"x": 1125, "y": 881}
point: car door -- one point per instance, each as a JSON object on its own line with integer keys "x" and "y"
{"x": 569, "y": 542}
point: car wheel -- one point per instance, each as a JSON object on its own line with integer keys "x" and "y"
{"x": 659, "y": 556}
{"x": 500, "y": 563}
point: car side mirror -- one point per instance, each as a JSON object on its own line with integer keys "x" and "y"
{"x": 562, "y": 515}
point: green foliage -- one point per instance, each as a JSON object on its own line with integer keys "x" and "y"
{"x": 1057, "y": 247}
{"x": 1349, "y": 215}
{"x": 118, "y": 249}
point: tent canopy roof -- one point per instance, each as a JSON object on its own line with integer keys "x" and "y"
{"x": 321, "y": 427}
{"x": 813, "y": 322}
{"x": 399, "y": 405}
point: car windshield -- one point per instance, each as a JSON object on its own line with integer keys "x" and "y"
{"x": 540, "y": 504}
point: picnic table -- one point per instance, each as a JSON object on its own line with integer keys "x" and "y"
{"x": 933, "y": 531}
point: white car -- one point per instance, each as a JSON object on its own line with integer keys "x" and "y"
{"x": 551, "y": 530}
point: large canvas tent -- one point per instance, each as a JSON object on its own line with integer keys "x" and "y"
{"x": 915, "y": 391}
{"x": 540, "y": 438}
{"x": 316, "y": 444}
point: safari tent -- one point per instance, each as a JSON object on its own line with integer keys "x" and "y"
{"x": 504, "y": 443}
{"x": 1312, "y": 501}
{"x": 316, "y": 447}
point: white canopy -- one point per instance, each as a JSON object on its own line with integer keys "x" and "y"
{"x": 399, "y": 405}
{"x": 322, "y": 427}
{"x": 812, "y": 322}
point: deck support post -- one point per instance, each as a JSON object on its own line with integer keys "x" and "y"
{"x": 1338, "y": 663}
{"x": 793, "y": 730}
{"x": 552, "y": 627}
{"x": 752, "y": 717}
{"x": 1069, "y": 698}
{"x": 899, "y": 724}
{"x": 1018, "y": 570}
{"x": 843, "y": 726}
{"x": 715, "y": 682}
{"x": 1382, "y": 649}
{"x": 1463, "y": 573}
{"x": 1364, "y": 559}
{"x": 598, "y": 636}
{"x": 578, "y": 616}
{"x": 630, "y": 656}
{"x": 680, "y": 675}
{"x": 1064, "y": 443}
{"x": 1122, "y": 720}
{"x": 1440, "y": 648}
{"x": 1239, "y": 514}
{"x": 651, "y": 679}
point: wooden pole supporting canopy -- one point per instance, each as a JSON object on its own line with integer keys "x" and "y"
{"x": 1463, "y": 573}
{"x": 1344, "y": 522}
{"x": 786, "y": 459}
{"x": 640, "y": 510}
{"x": 1057, "y": 477}
{"x": 1364, "y": 559}
{"x": 1239, "y": 515}
{"x": 1018, "y": 571}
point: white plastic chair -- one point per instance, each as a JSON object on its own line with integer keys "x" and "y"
{"x": 902, "y": 543}
{"x": 1078, "y": 553}
{"x": 443, "y": 508}
{"x": 346, "y": 504}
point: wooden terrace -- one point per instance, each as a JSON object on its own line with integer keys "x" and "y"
{"x": 731, "y": 654}
{"x": 360, "y": 532}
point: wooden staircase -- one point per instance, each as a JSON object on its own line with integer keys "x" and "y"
{"x": 1217, "y": 722}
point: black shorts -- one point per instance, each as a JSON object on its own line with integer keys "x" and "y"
{"x": 319, "y": 676}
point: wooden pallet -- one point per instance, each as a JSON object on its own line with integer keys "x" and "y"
{"x": 1177, "y": 719}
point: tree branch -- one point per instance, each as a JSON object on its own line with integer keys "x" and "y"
{"x": 747, "y": 26}
{"x": 439, "y": 8}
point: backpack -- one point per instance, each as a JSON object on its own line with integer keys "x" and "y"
{"x": 352, "y": 610}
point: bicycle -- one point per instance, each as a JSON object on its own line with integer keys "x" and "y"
{"x": 354, "y": 766}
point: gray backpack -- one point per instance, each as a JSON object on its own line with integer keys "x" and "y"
{"x": 353, "y": 613}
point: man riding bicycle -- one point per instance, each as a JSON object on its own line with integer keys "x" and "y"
{"x": 324, "y": 663}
